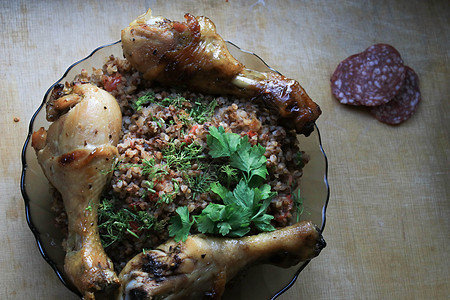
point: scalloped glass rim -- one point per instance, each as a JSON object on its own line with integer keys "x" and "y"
{"x": 315, "y": 191}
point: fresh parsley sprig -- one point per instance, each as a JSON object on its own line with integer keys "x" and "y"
{"x": 243, "y": 207}
{"x": 221, "y": 143}
{"x": 242, "y": 155}
{"x": 180, "y": 224}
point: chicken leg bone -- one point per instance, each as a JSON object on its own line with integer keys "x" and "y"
{"x": 201, "y": 267}
{"x": 192, "y": 54}
{"x": 76, "y": 154}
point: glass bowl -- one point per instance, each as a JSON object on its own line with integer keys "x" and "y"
{"x": 271, "y": 281}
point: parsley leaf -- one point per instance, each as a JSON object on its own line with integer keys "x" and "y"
{"x": 180, "y": 224}
{"x": 223, "y": 219}
{"x": 260, "y": 219}
{"x": 250, "y": 160}
{"x": 243, "y": 156}
{"x": 245, "y": 206}
{"x": 262, "y": 223}
{"x": 244, "y": 196}
{"x": 221, "y": 143}
{"x": 241, "y": 208}
{"x": 223, "y": 192}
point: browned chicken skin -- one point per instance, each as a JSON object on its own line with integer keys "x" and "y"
{"x": 201, "y": 267}
{"x": 192, "y": 54}
{"x": 76, "y": 154}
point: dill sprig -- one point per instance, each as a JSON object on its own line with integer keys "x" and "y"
{"x": 181, "y": 156}
{"x": 167, "y": 197}
{"x": 200, "y": 183}
{"x": 177, "y": 100}
{"x": 114, "y": 223}
{"x": 298, "y": 203}
{"x": 143, "y": 100}
{"x": 202, "y": 112}
{"x": 230, "y": 174}
{"x": 149, "y": 168}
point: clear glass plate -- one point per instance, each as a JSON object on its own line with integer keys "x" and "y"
{"x": 270, "y": 281}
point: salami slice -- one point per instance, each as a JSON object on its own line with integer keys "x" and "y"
{"x": 380, "y": 76}
{"x": 343, "y": 77}
{"x": 403, "y": 105}
{"x": 370, "y": 78}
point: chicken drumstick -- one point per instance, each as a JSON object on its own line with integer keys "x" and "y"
{"x": 192, "y": 54}
{"x": 201, "y": 267}
{"x": 76, "y": 154}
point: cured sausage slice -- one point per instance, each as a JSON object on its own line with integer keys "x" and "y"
{"x": 380, "y": 76}
{"x": 343, "y": 78}
{"x": 370, "y": 78}
{"x": 403, "y": 105}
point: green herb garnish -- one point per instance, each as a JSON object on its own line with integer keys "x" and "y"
{"x": 200, "y": 183}
{"x": 221, "y": 143}
{"x": 242, "y": 208}
{"x": 230, "y": 174}
{"x": 180, "y": 224}
{"x": 143, "y": 100}
{"x": 202, "y": 112}
{"x": 151, "y": 169}
{"x": 198, "y": 111}
{"x": 298, "y": 203}
{"x": 243, "y": 156}
{"x": 178, "y": 101}
{"x": 298, "y": 159}
{"x": 115, "y": 223}
{"x": 246, "y": 204}
{"x": 181, "y": 156}
{"x": 165, "y": 197}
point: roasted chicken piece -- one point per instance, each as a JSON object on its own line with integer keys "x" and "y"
{"x": 77, "y": 153}
{"x": 192, "y": 54}
{"x": 201, "y": 267}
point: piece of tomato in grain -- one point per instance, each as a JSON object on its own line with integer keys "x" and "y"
{"x": 284, "y": 211}
{"x": 136, "y": 206}
{"x": 110, "y": 83}
{"x": 134, "y": 227}
{"x": 187, "y": 140}
{"x": 193, "y": 129}
{"x": 153, "y": 197}
{"x": 251, "y": 133}
{"x": 281, "y": 217}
